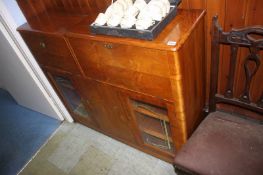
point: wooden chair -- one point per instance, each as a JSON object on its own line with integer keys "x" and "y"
{"x": 228, "y": 143}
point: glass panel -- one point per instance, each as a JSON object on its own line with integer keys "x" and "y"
{"x": 158, "y": 143}
{"x": 154, "y": 125}
{"x": 151, "y": 110}
{"x": 71, "y": 96}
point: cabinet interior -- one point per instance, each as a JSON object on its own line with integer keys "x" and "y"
{"x": 154, "y": 125}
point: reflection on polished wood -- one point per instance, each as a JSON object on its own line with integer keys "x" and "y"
{"x": 61, "y": 22}
{"x": 178, "y": 30}
{"x": 110, "y": 73}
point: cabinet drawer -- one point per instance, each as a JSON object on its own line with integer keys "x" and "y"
{"x": 149, "y": 61}
{"x": 65, "y": 63}
{"x": 139, "y": 69}
{"x": 46, "y": 43}
{"x": 50, "y": 50}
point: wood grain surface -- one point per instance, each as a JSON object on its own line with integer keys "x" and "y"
{"x": 232, "y": 14}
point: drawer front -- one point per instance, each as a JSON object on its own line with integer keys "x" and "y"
{"x": 51, "y": 51}
{"x": 139, "y": 69}
{"x": 65, "y": 63}
{"x": 45, "y": 43}
{"x": 133, "y": 58}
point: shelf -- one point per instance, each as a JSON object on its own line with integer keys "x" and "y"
{"x": 154, "y": 127}
{"x": 150, "y": 110}
{"x": 158, "y": 135}
{"x": 160, "y": 144}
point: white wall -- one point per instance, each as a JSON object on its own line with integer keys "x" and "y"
{"x": 1, "y": 83}
{"x": 18, "y": 82}
{"x": 15, "y": 12}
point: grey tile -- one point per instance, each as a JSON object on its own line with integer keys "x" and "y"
{"x": 41, "y": 167}
{"x": 69, "y": 151}
{"x": 78, "y": 150}
{"x": 162, "y": 168}
{"x": 93, "y": 162}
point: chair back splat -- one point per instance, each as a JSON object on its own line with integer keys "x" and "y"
{"x": 235, "y": 39}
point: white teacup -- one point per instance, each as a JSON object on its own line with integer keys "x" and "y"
{"x": 129, "y": 3}
{"x": 132, "y": 11}
{"x": 101, "y": 19}
{"x": 109, "y": 11}
{"x": 158, "y": 4}
{"x": 145, "y": 14}
{"x": 123, "y": 3}
{"x": 114, "y": 20}
{"x": 143, "y": 24}
{"x": 156, "y": 12}
{"x": 115, "y": 8}
{"x": 118, "y": 8}
{"x": 140, "y": 4}
{"x": 166, "y": 4}
{"x": 128, "y": 22}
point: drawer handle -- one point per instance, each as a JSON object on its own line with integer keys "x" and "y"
{"x": 42, "y": 44}
{"x": 108, "y": 46}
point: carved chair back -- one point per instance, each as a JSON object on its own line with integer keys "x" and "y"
{"x": 235, "y": 39}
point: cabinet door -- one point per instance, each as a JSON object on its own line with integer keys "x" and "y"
{"x": 107, "y": 107}
{"x": 71, "y": 96}
{"x": 153, "y": 124}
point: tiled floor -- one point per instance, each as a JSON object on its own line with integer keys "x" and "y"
{"x": 78, "y": 150}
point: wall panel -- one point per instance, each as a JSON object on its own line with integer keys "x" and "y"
{"x": 232, "y": 14}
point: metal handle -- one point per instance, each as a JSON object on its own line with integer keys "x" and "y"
{"x": 108, "y": 46}
{"x": 42, "y": 44}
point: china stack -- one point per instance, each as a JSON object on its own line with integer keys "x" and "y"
{"x": 126, "y": 14}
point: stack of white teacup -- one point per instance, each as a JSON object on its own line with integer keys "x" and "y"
{"x": 127, "y": 14}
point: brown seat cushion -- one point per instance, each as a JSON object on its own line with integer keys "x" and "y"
{"x": 224, "y": 144}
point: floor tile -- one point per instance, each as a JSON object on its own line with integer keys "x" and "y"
{"x": 78, "y": 150}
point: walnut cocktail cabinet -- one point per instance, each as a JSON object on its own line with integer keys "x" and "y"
{"x": 148, "y": 94}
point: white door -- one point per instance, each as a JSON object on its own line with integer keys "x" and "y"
{"x": 19, "y": 72}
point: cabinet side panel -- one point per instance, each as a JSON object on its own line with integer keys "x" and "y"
{"x": 189, "y": 82}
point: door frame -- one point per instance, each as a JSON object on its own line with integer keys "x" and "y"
{"x": 8, "y": 28}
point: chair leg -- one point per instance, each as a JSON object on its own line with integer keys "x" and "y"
{"x": 182, "y": 171}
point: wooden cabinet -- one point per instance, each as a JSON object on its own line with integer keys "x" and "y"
{"x": 148, "y": 94}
